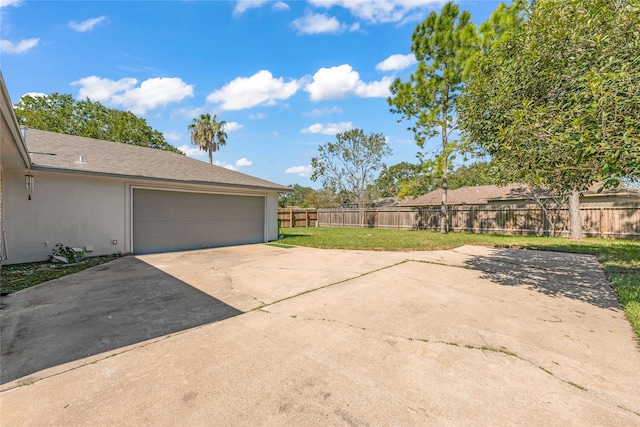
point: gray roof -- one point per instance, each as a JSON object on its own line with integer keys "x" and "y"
{"x": 483, "y": 194}
{"x": 476, "y": 195}
{"x": 49, "y": 150}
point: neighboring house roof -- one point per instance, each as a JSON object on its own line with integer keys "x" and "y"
{"x": 483, "y": 194}
{"x": 55, "y": 151}
{"x": 476, "y": 195}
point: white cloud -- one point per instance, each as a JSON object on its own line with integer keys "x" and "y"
{"x": 188, "y": 113}
{"x": 341, "y": 81}
{"x": 315, "y": 23}
{"x": 86, "y": 25}
{"x": 260, "y": 89}
{"x": 375, "y": 11}
{"x": 34, "y": 95}
{"x": 232, "y": 127}
{"x": 397, "y": 62}
{"x": 304, "y": 171}
{"x": 321, "y": 112}
{"x": 99, "y": 89}
{"x": 329, "y": 128}
{"x": 243, "y": 5}
{"x": 151, "y": 93}
{"x": 5, "y": 3}
{"x": 258, "y": 116}
{"x": 243, "y": 162}
{"x": 192, "y": 151}
{"x": 172, "y": 136}
{"x": 280, "y": 5}
{"x": 7, "y": 46}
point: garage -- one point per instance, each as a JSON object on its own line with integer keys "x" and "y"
{"x": 165, "y": 221}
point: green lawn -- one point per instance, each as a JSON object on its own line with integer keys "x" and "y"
{"x": 20, "y": 276}
{"x": 620, "y": 258}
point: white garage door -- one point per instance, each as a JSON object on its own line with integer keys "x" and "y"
{"x": 165, "y": 221}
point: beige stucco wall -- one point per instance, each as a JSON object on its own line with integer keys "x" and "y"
{"x": 74, "y": 210}
{"x": 80, "y": 211}
{"x": 1, "y": 219}
{"x": 271, "y": 214}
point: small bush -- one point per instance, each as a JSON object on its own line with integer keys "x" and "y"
{"x": 70, "y": 254}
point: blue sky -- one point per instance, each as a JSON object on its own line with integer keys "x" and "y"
{"x": 286, "y": 76}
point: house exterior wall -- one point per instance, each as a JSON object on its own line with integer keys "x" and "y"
{"x": 73, "y": 210}
{"x": 79, "y": 211}
{"x": 271, "y": 214}
{"x": 1, "y": 218}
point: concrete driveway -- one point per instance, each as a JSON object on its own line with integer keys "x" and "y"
{"x": 327, "y": 337}
{"x": 96, "y": 310}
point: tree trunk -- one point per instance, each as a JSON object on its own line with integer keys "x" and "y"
{"x": 443, "y": 205}
{"x": 575, "y": 221}
{"x": 210, "y": 156}
{"x": 445, "y": 160}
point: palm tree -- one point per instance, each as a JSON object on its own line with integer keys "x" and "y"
{"x": 208, "y": 134}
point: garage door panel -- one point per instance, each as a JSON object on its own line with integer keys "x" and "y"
{"x": 172, "y": 221}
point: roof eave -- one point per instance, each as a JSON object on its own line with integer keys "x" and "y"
{"x": 12, "y": 122}
{"x": 43, "y": 168}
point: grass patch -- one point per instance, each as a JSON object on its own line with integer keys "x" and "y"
{"x": 578, "y": 386}
{"x": 16, "y": 277}
{"x": 620, "y": 258}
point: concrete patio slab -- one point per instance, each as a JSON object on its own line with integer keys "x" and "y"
{"x": 469, "y": 336}
{"x": 103, "y": 308}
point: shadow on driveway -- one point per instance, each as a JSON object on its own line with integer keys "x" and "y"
{"x": 575, "y": 276}
{"x": 96, "y": 310}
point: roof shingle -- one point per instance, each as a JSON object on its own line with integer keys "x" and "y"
{"x": 483, "y": 194}
{"x": 51, "y": 150}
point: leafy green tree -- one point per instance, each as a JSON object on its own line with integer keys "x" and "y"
{"x": 323, "y": 198}
{"x": 557, "y": 104}
{"x": 392, "y": 178}
{"x": 208, "y": 133}
{"x": 297, "y": 198}
{"x": 62, "y": 114}
{"x": 349, "y": 164}
{"x": 443, "y": 45}
{"x": 478, "y": 173}
{"x": 502, "y": 22}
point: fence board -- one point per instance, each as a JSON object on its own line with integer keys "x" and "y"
{"x": 611, "y": 221}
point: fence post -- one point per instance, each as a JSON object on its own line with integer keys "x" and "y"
{"x": 306, "y": 217}
{"x": 292, "y": 218}
{"x": 474, "y": 226}
{"x": 511, "y": 220}
{"x": 602, "y": 223}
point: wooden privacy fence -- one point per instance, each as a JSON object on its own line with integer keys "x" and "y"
{"x": 297, "y": 217}
{"x": 615, "y": 222}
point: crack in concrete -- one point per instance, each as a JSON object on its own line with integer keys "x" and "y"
{"x": 234, "y": 290}
{"x": 501, "y": 350}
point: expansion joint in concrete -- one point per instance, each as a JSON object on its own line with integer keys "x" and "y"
{"x": 330, "y": 285}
